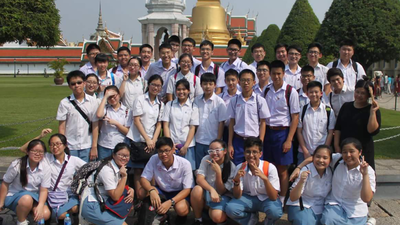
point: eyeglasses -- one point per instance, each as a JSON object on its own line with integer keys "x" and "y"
{"x": 123, "y": 156}
{"x": 205, "y": 49}
{"x": 76, "y": 83}
{"x": 51, "y": 145}
{"x": 155, "y": 85}
{"x": 164, "y": 152}
{"x": 91, "y": 83}
{"x": 259, "y": 52}
{"x": 215, "y": 151}
{"x": 246, "y": 80}
{"x": 313, "y": 53}
{"x": 36, "y": 152}
{"x": 251, "y": 152}
{"x": 187, "y": 46}
{"x": 233, "y": 49}
{"x": 134, "y": 65}
{"x": 262, "y": 70}
{"x": 294, "y": 53}
{"x": 185, "y": 62}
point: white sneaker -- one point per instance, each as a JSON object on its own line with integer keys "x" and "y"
{"x": 371, "y": 221}
{"x": 253, "y": 219}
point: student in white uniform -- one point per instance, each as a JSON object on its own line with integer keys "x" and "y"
{"x": 292, "y": 69}
{"x": 307, "y": 76}
{"x": 113, "y": 176}
{"x": 146, "y": 125}
{"x": 107, "y": 78}
{"x": 341, "y": 93}
{"x": 214, "y": 179}
{"x": 313, "y": 185}
{"x": 91, "y": 51}
{"x": 234, "y": 62}
{"x": 116, "y": 120}
{"x": 133, "y": 84}
{"x": 264, "y": 77}
{"x": 185, "y": 63}
{"x": 258, "y": 53}
{"x": 92, "y": 84}
{"x": 145, "y": 54}
{"x": 25, "y": 184}
{"x": 188, "y": 46}
{"x": 122, "y": 69}
{"x": 314, "y": 53}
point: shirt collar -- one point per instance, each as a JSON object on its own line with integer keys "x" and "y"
{"x": 65, "y": 158}
{"x": 175, "y": 164}
{"x": 213, "y": 97}
{"x": 89, "y": 65}
{"x": 188, "y": 102}
{"x": 114, "y": 166}
{"x": 211, "y": 65}
{"x": 147, "y": 97}
{"x": 85, "y": 98}
{"x": 236, "y": 62}
{"x": 122, "y": 107}
{"x": 160, "y": 65}
{"x": 314, "y": 171}
{"x": 39, "y": 167}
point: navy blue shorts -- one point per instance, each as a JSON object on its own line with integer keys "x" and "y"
{"x": 273, "y": 151}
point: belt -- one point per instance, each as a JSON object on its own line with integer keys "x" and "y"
{"x": 240, "y": 137}
{"x": 277, "y": 128}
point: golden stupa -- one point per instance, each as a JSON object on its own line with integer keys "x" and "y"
{"x": 210, "y": 17}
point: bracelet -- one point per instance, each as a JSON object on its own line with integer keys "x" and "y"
{"x": 153, "y": 189}
{"x": 236, "y": 183}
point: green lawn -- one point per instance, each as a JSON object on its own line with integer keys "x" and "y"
{"x": 32, "y": 98}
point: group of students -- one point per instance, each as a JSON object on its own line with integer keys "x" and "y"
{"x": 235, "y": 125}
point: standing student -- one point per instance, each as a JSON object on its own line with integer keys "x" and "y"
{"x": 248, "y": 112}
{"x": 91, "y": 52}
{"x": 281, "y": 53}
{"x": 255, "y": 188}
{"x": 292, "y": 69}
{"x": 314, "y": 53}
{"x": 180, "y": 119}
{"x": 188, "y": 46}
{"x": 123, "y": 56}
{"x": 234, "y": 62}
{"x": 258, "y": 54}
{"x": 106, "y": 78}
{"x": 212, "y": 114}
{"x": 283, "y": 103}
{"x": 116, "y": 120}
{"x": 175, "y": 43}
{"x": 214, "y": 179}
{"x": 77, "y": 119}
{"x": 264, "y": 78}
{"x": 92, "y": 84}
{"x": 145, "y": 54}
{"x": 341, "y": 93}
{"x": 307, "y": 76}
{"x": 25, "y": 184}
{"x": 133, "y": 84}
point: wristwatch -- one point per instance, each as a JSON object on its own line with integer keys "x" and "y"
{"x": 172, "y": 202}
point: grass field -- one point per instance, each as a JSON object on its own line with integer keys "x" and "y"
{"x": 32, "y": 98}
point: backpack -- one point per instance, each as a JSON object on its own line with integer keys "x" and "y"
{"x": 215, "y": 71}
{"x": 288, "y": 92}
{"x": 80, "y": 182}
{"x": 258, "y": 113}
{"x": 328, "y": 113}
{"x": 353, "y": 63}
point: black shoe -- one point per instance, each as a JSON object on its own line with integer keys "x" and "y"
{"x": 180, "y": 219}
{"x": 197, "y": 222}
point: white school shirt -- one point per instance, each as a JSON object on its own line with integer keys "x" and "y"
{"x": 165, "y": 73}
{"x": 206, "y": 170}
{"x": 108, "y": 176}
{"x": 237, "y": 65}
{"x": 195, "y": 89}
{"x": 176, "y": 178}
{"x": 110, "y": 136}
{"x": 143, "y": 71}
{"x": 108, "y": 81}
{"x": 196, "y": 62}
{"x": 74, "y": 163}
{"x": 303, "y": 98}
{"x": 149, "y": 114}
{"x": 315, "y": 189}
{"x": 227, "y": 98}
{"x": 320, "y": 73}
{"x": 253, "y": 67}
{"x": 180, "y": 118}
{"x": 337, "y": 100}
{"x": 257, "y": 90}
{"x": 349, "y": 74}
{"x": 211, "y": 112}
{"x": 314, "y": 126}
{"x": 294, "y": 79}
{"x": 253, "y": 185}
{"x": 210, "y": 69}
{"x": 346, "y": 188}
{"x": 247, "y": 114}
{"x": 118, "y": 73}
{"x": 276, "y": 100}
{"x": 76, "y": 128}
{"x": 39, "y": 177}
{"x": 133, "y": 89}
{"x": 87, "y": 69}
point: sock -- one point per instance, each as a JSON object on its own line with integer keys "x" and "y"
{"x": 199, "y": 219}
{"x": 282, "y": 198}
{"x": 25, "y": 222}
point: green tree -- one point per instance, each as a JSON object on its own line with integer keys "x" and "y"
{"x": 37, "y": 20}
{"x": 300, "y": 27}
{"x": 268, "y": 38}
{"x": 374, "y": 25}
{"x": 247, "y": 58}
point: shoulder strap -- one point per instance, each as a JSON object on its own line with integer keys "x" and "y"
{"x": 114, "y": 69}
{"x": 335, "y": 63}
{"x": 61, "y": 173}
{"x": 298, "y": 90}
{"x": 175, "y": 76}
{"x": 85, "y": 117}
{"x": 194, "y": 82}
{"x": 216, "y": 71}
{"x": 328, "y": 114}
{"x": 355, "y": 67}
{"x": 288, "y": 92}
{"x": 112, "y": 79}
{"x": 336, "y": 164}
{"x": 258, "y": 109}
{"x": 102, "y": 164}
{"x": 303, "y": 112}
{"x": 197, "y": 70}
{"x": 266, "y": 168}
{"x": 265, "y": 92}
{"x": 330, "y": 98}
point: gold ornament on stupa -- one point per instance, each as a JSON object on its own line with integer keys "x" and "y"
{"x": 210, "y": 17}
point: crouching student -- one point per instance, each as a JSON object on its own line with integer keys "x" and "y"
{"x": 214, "y": 179}
{"x": 25, "y": 184}
{"x": 255, "y": 189}
{"x": 307, "y": 197}
{"x": 173, "y": 181}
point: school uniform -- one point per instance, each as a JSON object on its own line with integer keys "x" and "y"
{"x": 108, "y": 176}
{"x": 109, "y": 135}
{"x": 258, "y": 90}
{"x": 165, "y": 73}
{"x": 254, "y": 197}
{"x": 247, "y": 115}
{"x": 196, "y": 62}
{"x": 253, "y": 67}
{"x": 227, "y": 98}
{"x": 237, "y": 65}
{"x": 313, "y": 196}
{"x": 194, "y": 84}
{"x": 211, "y": 112}
{"x": 110, "y": 79}
{"x": 221, "y": 74}
{"x": 143, "y": 71}
{"x": 119, "y": 73}
{"x": 350, "y": 76}
{"x": 79, "y": 140}
{"x": 337, "y": 100}
{"x": 320, "y": 73}
{"x": 278, "y": 124}
{"x": 293, "y": 78}
{"x": 303, "y": 98}
{"x": 344, "y": 204}
{"x": 133, "y": 89}
{"x": 39, "y": 177}
{"x": 87, "y": 69}
{"x": 180, "y": 118}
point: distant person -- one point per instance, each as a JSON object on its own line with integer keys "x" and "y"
{"x": 188, "y": 46}
{"x": 234, "y": 62}
{"x": 91, "y": 51}
{"x": 281, "y": 53}
{"x": 292, "y": 69}
{"x": 397, "y": 84}
{"x": 123, "y": 56}
{"x": 145, "y": 54}
{"x": 314, "y": 53}
{"x": 386, "y": 82}
{"x": 389, "y": 85}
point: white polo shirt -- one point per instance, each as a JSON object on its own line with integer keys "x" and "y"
{"x": 211, "y": 112}
{"x": 320, "y": 73}
{"x": 337, "y": 100}
{"x": 237, "y": 65}
{"x": 247, "y": 114}
{"x": 110, "y": 136}
{"x": 76, "y": 128}
{"x": 253, "y": 185}
{"x": 165, "y": 73}
{"x": 108, "y": 81}
{"x": 180, "y": 118}
{"x": 87, "y": 69}
{"x": 276, "y": 100}
{"x": 258, "y": 90}
{"x": 133, "y": 89}
{"x": 227, "y": 98}
{"x": 149, "y": 114}
{"x": 39, "y": 177}
{"x": 109, "y": 176}
{"x": 210, "y": 69}
{"x": 293, "y": 78}
{"x": 195, "y": 88}
{"x": 315, "y": 189}
{"x": 206, "y": 170}
{"x": 176, "y": 178}
{"x": 314, "y": 126}
{"x": 349, "y": 73}
{"x": 118, "y": 73}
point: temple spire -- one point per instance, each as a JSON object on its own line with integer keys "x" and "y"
{"x": 100, "y": 31}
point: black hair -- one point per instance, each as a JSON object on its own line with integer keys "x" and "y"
{"x": 226, "y": 170}
{"x": 280, "y": 45}
{"x": 92, "y": 75}
{"x": 191, "y": 40}
{"x": 334, "y": 72}
{"x": 257, "y": 45}
{"x": 307, "y": 68}
{"x": 145, "y": 46}
{"x": 116, "y": 149}
{"x": 296, "y": 47}
{"x": 101, "y": 57}
{"x": 137, "y": 58}
{"x": 111, "y": 87}
{"x": 313, "y": 84}
{"x": 315, "y": 45}
{"x": 185, "y": 55}
{"x": 174, "y": 38}
{"x": 350, "y": 140}
{"x": 23, "y": 174}
{"x": 165, "y": 45}
{"x": 277, "y": 64}
{"x": 123, "y": 48}
{"x": 152, "y": 78}
{"x": 207, "y": 42}
{"x": 253, "y": 141}
{"x": 184, "y": 82}
{"x": 347, "y": 42}
{"x": 208, "y": 77}
{"x": 63, "y": 140}
{"x": 235, "y": 41}
{"x": 231, "y": 72}
{"x": 264, "y": 63}
{"x": 327, "y": 147}
{"x": 162, "y": 141}
{"x": 245, "y": 71}
{"x": 90, "y": 47}
{"x": 75, "y": 73}
{"x": 365, "y": 83}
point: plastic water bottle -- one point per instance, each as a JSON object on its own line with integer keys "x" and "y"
{"x": 67, "y": 220}
{"x": 40, "y": 222}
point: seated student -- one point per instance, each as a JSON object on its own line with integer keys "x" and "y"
{"x": 180, "y": 119}
{"x": 307, "y": 76}
{"x": 113, "y": 176}
{"x": 316, "y": 123}
{"x": 248, "y": 112}
{"x": 313, "y": 185}
{"x": 106, "y": 78}
{"x": 25, "y": 184}
{"x": 173, "y": 180}
{"x": 92, "y": 84}
{"x": 214, "y": 179}
{"x": 234, "y": 62}
{"x": 91, "y": 51}
{"x": 185, "y": 63}
{"x": 255, "y": 188}
{"x": 116, "y": 120}
{"x": 341, "y": 93}
{"x": 292, "y": 69}
{"x": 264, "y": 78}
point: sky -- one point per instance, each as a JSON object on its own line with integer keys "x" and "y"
{"x": 79, "y": 17}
